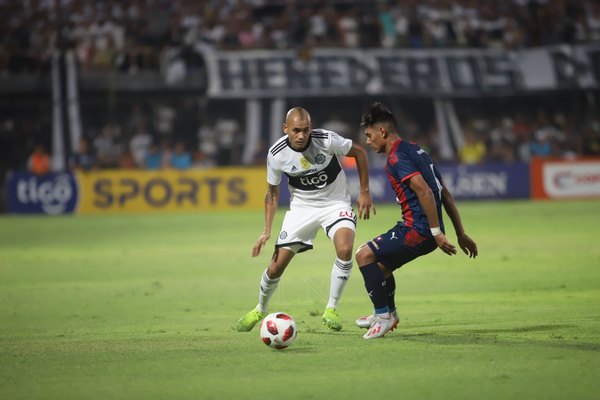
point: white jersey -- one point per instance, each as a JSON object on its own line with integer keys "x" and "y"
{"x": 315, "y": 176}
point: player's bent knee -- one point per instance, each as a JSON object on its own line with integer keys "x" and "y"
{"x": 364, "y": 256}
{"x": 344, "y": 252}
{"x": 343, "y": 240}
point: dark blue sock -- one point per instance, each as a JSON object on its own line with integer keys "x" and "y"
{"x": 390, "y": 287}
{"x": 375, "y": 285}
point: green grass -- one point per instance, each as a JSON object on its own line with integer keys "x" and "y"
{"x": 141, "y": 307}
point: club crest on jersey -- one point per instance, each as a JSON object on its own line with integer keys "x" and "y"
{"x": 304, "y": 163}
{"x": 319, "y": 158}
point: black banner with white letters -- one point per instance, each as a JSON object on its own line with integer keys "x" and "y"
{"x": 427, "y": 72}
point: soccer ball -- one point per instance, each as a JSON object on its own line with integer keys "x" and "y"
{"x": 278, "y": 330}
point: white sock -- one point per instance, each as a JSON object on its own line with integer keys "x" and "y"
{"x": 386, "y": 315}
{"x": 340, "y": 273}
{"x": 267, "y": 288}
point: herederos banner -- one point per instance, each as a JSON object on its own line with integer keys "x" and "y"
{"x": 429, "y": 72}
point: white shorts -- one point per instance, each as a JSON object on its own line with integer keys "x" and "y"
{"x": 300, "y": 225}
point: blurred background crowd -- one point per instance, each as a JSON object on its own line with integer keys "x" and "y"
{"x": 132, "y": 35}
{"x": 187, "y": 130}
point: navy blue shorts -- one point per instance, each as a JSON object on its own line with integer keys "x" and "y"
{"x": 400, "y": 245}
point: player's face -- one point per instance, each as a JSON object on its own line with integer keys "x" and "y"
{"x": 376, "y": 138}
{"x": 298, "y": 131}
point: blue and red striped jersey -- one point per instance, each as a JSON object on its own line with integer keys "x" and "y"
{"x": 405, "y": 160}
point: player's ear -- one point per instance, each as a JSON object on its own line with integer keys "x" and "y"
{"x": 384, "y": 132}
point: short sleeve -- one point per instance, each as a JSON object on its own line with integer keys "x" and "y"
{"x": 404, "y": 167}
{"x": 338, "y": 144}
{"x": 273, "y": 173}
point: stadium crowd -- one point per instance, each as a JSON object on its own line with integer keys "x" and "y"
{"x": 133, "y": 35}
{"x": 183, "y": 132}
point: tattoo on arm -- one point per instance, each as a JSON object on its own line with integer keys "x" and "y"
{"x": 271, "y": 195}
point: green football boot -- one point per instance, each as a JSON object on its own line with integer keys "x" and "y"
{"x": 247, "y": 322}
{"x": 331, "y": 319}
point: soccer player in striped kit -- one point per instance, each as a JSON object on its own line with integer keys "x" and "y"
{"x": 319, "y": 200}
{"x": 421, "y": 193}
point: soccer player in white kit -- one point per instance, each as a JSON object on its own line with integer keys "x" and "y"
{"x": 319, "y": 199}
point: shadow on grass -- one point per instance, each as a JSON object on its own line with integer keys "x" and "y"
{"x": 499, "y": 337}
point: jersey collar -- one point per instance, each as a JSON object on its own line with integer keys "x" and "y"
{"x": 395, "y": 145}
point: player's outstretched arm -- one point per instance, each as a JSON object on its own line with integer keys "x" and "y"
{"x": 468, "y": 245}
{"x": 271, "y": 203}
{"x": 364, "y": 202}
{"x": 427, "y": 201}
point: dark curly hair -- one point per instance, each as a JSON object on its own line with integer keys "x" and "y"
{"x": 377, "y": 113}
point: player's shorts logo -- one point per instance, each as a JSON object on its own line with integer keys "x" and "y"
{"x": 348, "y": 214}
{"x": 283, "y": 235}
{"x": 319, "y": 158}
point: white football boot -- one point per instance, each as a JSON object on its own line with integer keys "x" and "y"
{"x": 380, "y": 327}
{"x": 367, "y": 320}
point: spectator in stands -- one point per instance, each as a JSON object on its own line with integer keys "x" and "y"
{"x": 187, "y": 122}
{"x": 473, "y": 150}
{"x": 370, "y": 30}
{"x": 207, "y": 143}
{"x": 415, "y": 31}
{"x": 226, "y": 131}
{"x": 500, "y": 144}
{"x": 348, "y": 25}
{"x": 547, "y": 138}
{"x": 140, "y": 143}
{"x": 126, "y": 160}
{"x": 593, "y": 21}
{"x": 387, "y": 24}
{"x": 180, "y": 157}
{"x": 39, "y": 161}
{"x": 154, "y": 158}
{"x": 134, "y": 36}
{"x": 540, "y": 146}
{"x": 591, "y": 139}
{"x": 164, "y": 119}
{"x": 107, "y": 145}
{"x": 83, "y": 159}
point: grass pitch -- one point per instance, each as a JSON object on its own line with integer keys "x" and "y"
{"x": 141, "y": 307}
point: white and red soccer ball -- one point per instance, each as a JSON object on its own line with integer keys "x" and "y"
{"x": 278, "y": 330}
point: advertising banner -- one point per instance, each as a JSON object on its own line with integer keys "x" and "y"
{"x": 130, "y": 191}
{"x": 473, "y": 182}
{"x": 414, "y": 72}
{"x": 170, "y": 191}
{"x": 565, "y": 179}
{"x": 487, "y": 181}
{"x": 48, "y": 194}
